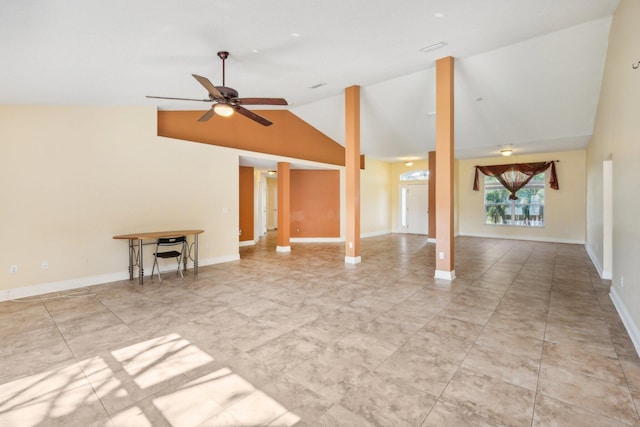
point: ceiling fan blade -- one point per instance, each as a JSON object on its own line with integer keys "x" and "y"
{"x": 253, "y": 116}
{"x": 178, "y": 99}
{"x": 208, "y": 86}
{"x": 206, "y": 116}
{"x": 261, "y": 101}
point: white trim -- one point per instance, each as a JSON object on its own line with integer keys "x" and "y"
{"x": 375, "y": 234}
{"x": 283, "y": 248}
{"x": 316, "y": 239}
{"x": 603, "y": 274}
{"x": 335, "y": 239}
{"x": 632, "y": 329}
{"x": 65, "y": 285}
{"x": 352, "y": 259}
{"x": 248, "y": 243}
{"x": 531, "y": 238}
{"x": 431, "y": 240}
{"x": 445, "y": 275}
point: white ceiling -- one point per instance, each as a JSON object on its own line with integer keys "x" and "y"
{"x": 528, "y": 72}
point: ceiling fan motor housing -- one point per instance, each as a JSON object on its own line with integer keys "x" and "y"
{"x": 227, "y": 92}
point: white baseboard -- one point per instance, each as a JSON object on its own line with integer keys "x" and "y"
{"x": 352, "y": 260}
{"x": 335, "y": 239}
{"x": 523, "y": 237}
{"x": 81, "y": 282}
{"x": 632, "y": 328}
{"x": 247, "y": 243}
{"x": 445, "y": 275}
{"x": 375, "y": 234}
{"x": 63, "y": 285}
{"x": 596, "y": 263}
{"x": 316, "y": 240}
{"x": 431, "y": 240}
{"x": 283, "y": 248}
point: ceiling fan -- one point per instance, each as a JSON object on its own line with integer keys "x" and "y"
{"x": 225, "y": 99}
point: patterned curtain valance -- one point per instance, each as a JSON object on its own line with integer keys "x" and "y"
{"x": 515, "y": 176}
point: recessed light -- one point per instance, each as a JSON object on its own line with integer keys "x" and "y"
{"x": 438, "y": 15}
{"x": 408, "y": 164}
{"x": 254, "y": 50}
{"x": 433, "y": 47}
{"x": 295, "y": 34}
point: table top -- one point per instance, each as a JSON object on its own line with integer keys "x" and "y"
{"x": 157, "y": 234}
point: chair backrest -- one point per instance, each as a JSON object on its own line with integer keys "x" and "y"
{"x": 170, "y": 241}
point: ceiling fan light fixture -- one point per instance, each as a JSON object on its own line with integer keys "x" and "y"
{"x": 224, "y": 110}
{"x": 409, "y": 163}
{"x": 506, "y": 152}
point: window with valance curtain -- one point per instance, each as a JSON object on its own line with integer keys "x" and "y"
{"x": 515, "y": 176}
{"x": 514, "y": 193}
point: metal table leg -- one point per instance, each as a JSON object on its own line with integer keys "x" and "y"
{"x": 140, "y": 263}
{"x": 195, "y": 258}
{"x": 185, "y": 255}
{"x": 131, "y": 259}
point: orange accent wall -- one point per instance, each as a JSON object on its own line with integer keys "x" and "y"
{"x": 289, "y": 136}
{"x": 246, "y": 204}
{"x": 315, "y": 203}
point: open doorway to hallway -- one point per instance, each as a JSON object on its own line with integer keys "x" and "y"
{"x": 268, "y": 201}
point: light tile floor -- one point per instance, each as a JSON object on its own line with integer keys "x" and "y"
{"x": 525, "y": 336}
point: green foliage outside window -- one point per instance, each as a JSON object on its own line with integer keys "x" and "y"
{"x": 527, "y": 211}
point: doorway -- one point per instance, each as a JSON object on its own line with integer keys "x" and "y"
{"x": 414, "y": 208}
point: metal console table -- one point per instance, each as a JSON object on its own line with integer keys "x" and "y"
{"x": 136, "y": 243}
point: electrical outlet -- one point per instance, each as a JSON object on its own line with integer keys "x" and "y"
{"x": 45, "y": 265}
{"x": 441, "y": 255}
{"x": 13, "y": 269}
{"x": 622, "y": 281}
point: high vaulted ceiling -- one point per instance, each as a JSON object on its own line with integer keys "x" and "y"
{"x": 528, "y": 72}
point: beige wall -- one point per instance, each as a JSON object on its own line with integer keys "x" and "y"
{"x": 564, "y": 208}
{"x": 375, "y": 210}
{"x": 72, "y": 177}
{"x": 616, "y": 137}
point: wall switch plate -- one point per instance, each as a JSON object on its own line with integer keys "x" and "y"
{"x": 13, "y": 269}
{"x": 441, "y": 255}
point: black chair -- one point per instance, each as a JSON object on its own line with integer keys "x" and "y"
{"x": 168, "y": 242}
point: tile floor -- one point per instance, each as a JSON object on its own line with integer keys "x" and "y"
{"x": 525, "y": 336}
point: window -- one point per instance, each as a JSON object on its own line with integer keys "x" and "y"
{"x": 527, "y": 211}
{"x": 415, "y": 175}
